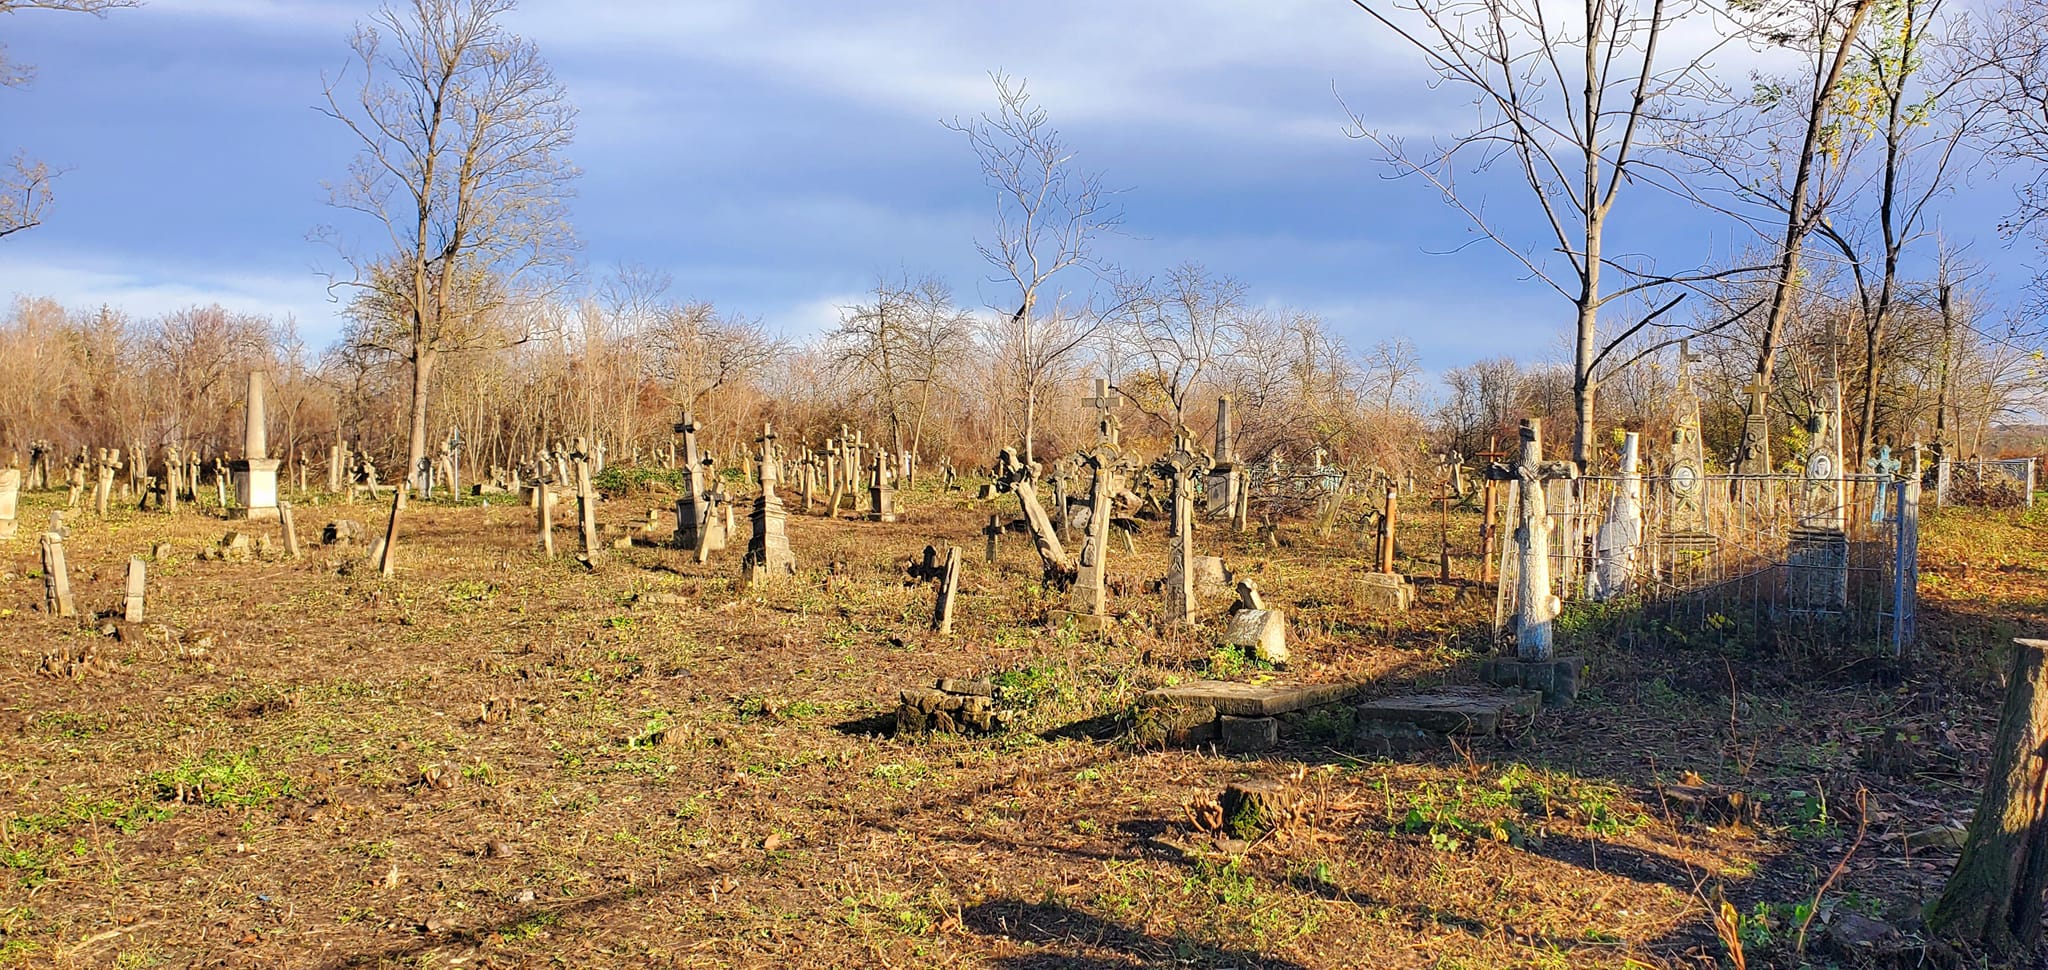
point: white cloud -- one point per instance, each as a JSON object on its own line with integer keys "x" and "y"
{"x": 150, "y": 291}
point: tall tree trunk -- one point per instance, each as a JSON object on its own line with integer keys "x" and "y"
{"x": 1797, "y": 217}
{"x": 416, "y": 448}
{"x": 1993, "y": 900}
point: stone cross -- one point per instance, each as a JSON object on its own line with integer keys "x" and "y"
{"x": 1753, "y": 457}
{"x": 1105, "y": 406}
{"x": 586, "y": 499}
{"x": 1180, "y": 467}
{"x": 690, "y": 509}
{"x": 769, "y": 558}
{"x": 1012, "y": 474}
{"x": 1536, "y": 605}
{"x": 994, "y": 531}
{"x": 1088, "y": 599}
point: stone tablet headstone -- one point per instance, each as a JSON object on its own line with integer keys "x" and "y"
{"x": 10, "y": 496}
{"x": 290, "y": 527}
{"x": 949, "y": 587}
{"x": 131, "y": 606}
{"x": 56, "y": 577}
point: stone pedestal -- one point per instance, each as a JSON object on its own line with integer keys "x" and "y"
{"x": 882, "y": 503}
{"x": 1557, "y": 679}
{"x": 768, "y": 556}
{"x": 1385, "y": 592}
{"x": 255, "y": 488}
{"x": 1817, "y": 571}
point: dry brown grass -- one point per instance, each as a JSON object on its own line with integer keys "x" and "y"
{"x": 496, "y": 760}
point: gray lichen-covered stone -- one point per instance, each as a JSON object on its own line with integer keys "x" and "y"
{"x": 1557, "y": 679}
{"x": 1249, "y": 700}
{"x": 1385, "y": 593}
{"x": 1247, "y": 735}
{"x": 1262, "y": 632}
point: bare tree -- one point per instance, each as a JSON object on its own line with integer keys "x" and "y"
{"x": 2012, "y": 50}
{"x": 25, "y": 187}
{"x": 1049, "y": 214}
{"x": 461, "y": 127}
{"x": 1178, "y": 331}
{"x": 896, "y": 350}
{"x": 1748, "y": 150}
{"x": 1914, "y": 113}
{"x": 1566, "y": 105}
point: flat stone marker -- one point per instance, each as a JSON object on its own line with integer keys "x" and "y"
{"x": 1450, "y": 710}
{"x": 131, "y": 605}
{"x": 1249, "y": 700}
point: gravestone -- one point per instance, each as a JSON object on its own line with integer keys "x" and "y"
{"x": 1536, "y": 605}
{"x": 882, "y": 490}
{"x": 768, "y": 558}
{"x": 1753, "y": 455}
{"x": 1886, "y": 468}
{"x": 56, "y": 577}
{"x": 1015, "y": 475}
{"x": 1088, "y": 599}
{"x": 255, "y": 474}
{"x": 10, "y": 496}
{"x": 1181, "y": 467}
{"x": 994, "y": 532}
{"x": 1685, "y": 543}
{"x": 290, "y": 527}
{"x": 1615, "y": 544}
{"x": 131, "y": 605}
{"x": 109, "y": 463}
{"x": 690, "y": 506}
{"x": 586, "y": 499}
{"x": 1256, "y": 629}
{"x": 1223, "y": 482}
{"x": 1817, "y": 557}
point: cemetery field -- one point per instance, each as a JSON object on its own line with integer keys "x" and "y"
{"x": 498, "y": 760}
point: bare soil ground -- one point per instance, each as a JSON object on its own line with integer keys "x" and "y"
{"x": 496, "y": 760}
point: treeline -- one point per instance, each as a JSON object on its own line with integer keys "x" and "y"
{"x": 915, "y": 370}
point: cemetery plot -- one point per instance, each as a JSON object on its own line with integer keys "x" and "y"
{"x": 232, "y": 754}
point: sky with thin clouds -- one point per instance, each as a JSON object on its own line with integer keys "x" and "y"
{"x": 776, "y": 157}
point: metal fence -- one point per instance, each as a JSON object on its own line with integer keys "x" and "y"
{"x": 2002, "y": 481}
{"x": 1739, "y": 570}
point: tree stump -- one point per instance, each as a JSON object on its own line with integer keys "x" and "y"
{"x": 1254, "y": 808}
{"x": 1992, "y": 902}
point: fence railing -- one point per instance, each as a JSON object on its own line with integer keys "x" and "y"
{"x": 1742, "y": 556}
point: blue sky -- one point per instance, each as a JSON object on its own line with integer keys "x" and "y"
{"x": 776, "y": 156}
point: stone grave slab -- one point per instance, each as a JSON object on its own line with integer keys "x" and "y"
{"x": 1449, "y": 710}
{"x": 1249, "y": 700}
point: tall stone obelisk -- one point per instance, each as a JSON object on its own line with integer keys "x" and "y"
{"x": 255, "y": 473}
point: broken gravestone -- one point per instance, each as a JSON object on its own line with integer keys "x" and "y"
{"x": 1255, "y": 629}
{"x": 1385, "y": 592}
{"x": 951, "y": 706}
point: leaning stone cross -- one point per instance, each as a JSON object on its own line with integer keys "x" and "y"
{"x": 1536, "y": 604}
